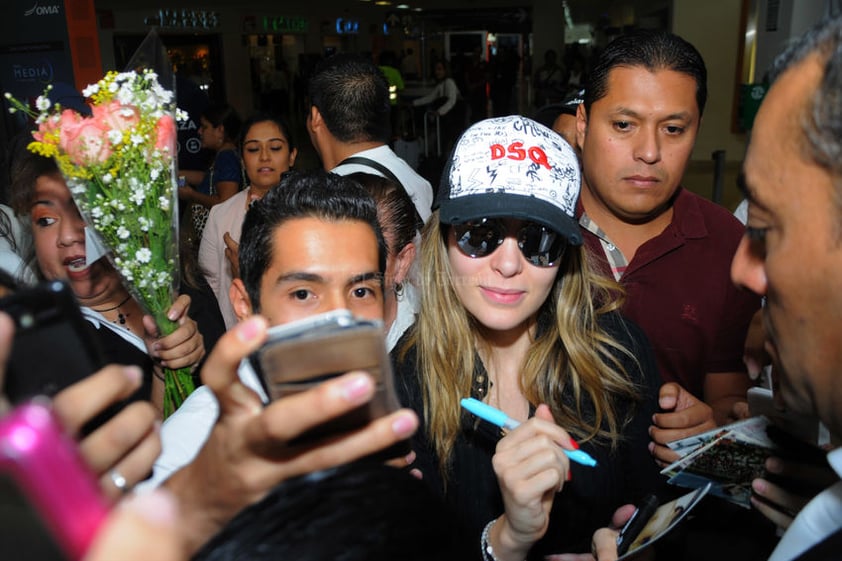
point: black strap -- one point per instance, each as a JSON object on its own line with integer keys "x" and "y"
{"x": 387, "y": 173}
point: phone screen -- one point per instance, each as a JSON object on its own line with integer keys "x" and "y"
{"x": 52, "y": 347}
{"x": 23, "y": 535}
{"x": 301, "y": 355}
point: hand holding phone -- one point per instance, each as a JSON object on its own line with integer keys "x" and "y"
{"x": 52, "y": 348}
{"x": 302, "y": 354}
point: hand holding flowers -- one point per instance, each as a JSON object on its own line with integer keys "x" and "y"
{"x": 119, "y": 166}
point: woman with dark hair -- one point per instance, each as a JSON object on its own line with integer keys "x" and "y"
{"x": 268, "y": 151}
{"x": 40, "y": 195}
{"x": 401, "y": 226}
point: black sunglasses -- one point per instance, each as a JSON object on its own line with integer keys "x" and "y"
{"x": 540, "y": 245}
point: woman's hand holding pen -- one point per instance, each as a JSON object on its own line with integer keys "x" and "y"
{"x": 531, "y": 467}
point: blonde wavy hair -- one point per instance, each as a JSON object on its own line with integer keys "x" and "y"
{"x": 572, "y": 361}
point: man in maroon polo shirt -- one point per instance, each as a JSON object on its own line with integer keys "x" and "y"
{"x": 668, "y": 247}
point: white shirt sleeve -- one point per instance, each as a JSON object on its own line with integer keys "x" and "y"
{"x": 185, "y": 431}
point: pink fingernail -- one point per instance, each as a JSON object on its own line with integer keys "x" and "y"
{"x": 248, "y": 330}
{"x": 403, "y": 426}
{"x": 133, "y": 373}
{"x": 356, "y": 388}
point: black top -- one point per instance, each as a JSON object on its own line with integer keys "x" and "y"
{"x": 117, "y": 350}
{"x": 586, "y": 503}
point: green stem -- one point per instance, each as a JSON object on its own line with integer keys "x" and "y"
{"x": 178, "y": 384}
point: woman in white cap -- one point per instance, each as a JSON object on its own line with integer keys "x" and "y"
{"x": 512, "y": 315}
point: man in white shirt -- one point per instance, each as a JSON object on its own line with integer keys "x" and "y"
{"x": 310, "y": 246}
{"x": 349, "y": 118}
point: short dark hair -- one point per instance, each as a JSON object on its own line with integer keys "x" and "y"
{"x": 352, "y": 96}
{"x": 653, "y": 50}
{"x": 395, "y": 209}
{"x": 313, "y": 194}
{"x": 261, "y": 117}
{"x": 225, "y": 115}
{"x": 364, "y": 511}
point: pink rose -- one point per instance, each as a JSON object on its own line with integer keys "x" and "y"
{"x": 117, "y": 117}
{"x": 84, "y": 140}
{"x": 165, "y": 134}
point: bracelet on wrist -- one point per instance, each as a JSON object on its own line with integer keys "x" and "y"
{"x": 485, "y": 544}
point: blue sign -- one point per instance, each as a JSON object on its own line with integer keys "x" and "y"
{"x": 347, "y": 26}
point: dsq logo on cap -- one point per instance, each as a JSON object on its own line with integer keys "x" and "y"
{"x": 516, "y": 156}
{"x": 512, "y": 167}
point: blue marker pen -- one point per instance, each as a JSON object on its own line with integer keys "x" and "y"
{"x": 497, "y": 417}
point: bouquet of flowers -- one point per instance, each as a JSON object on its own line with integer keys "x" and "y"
{"x": 119, "y": 166}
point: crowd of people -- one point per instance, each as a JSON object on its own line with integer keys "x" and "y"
{"x": 560, "y": 274}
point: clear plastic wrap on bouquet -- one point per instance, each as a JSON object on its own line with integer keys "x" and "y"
{"x": 120, "y": 166}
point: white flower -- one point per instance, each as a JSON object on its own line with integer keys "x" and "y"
{"x": 97, "y": 212}
{"x": 76, "y": 187}
{"x": 164, "y": 203}
{"x": 136, "y": 139}
{"x": 154, "y": 173}
{"x": 143, "y": 255}
{"x": 42, "y": 103}
{"x": 115, "y": 136}
{"x": 138, "y": 196}
{"x": 90, "y": 90}
{"x": 125, "y": 77}
{"x": 123, "y": 233}
{"x": 107, "y": 178}
{"x": 145, "y": 223}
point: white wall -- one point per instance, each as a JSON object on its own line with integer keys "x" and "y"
{"x": 712, "y": 27}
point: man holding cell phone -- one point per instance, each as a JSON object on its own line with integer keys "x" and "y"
{"x": 310, "y": 246}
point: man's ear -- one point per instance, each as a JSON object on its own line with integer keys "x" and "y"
{"x": 240, "y": 300}
{"x": 315, "y": 121}
{"x": 403, "y": 262}
{"x": 581, "y": 125}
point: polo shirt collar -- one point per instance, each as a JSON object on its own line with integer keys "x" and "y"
{"x": 687, "y": 217}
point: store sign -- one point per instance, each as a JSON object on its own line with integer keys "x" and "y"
{"x": 40, "y": 71}
{"x": 39, "y": 10}
{"x": 285, "y": 24}
{"x": 347, "y": 26}
{"x": 184, "y": 19}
